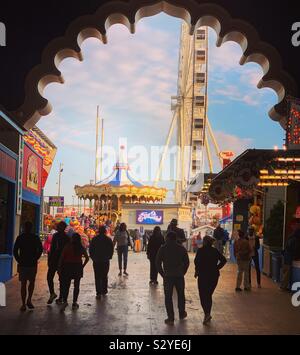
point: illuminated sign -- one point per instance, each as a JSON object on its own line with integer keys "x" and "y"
{"x": 293, "y": 127}
{"x": 56, "y": 201}
{"x": 44, "y": 149}
{"x": 149, "y": 217}
{"x": 32, "y": 171}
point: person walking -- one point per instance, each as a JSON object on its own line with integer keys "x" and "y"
{"x": 59, "y": 241}
{"x": 155, "y": 242}
{"x": 145, "y": 241}
{"x": 291, "y": 252}
{"x": 255, "y": 246}
{"x": 172, "y": 262}
{"x": 219, "y": 236}
{"x": 101, "y": 252}
{"x": 173, "y": 227}
{"x": 122, "y": 240}
{"x": 27, "y": 251}
{"x": 71, "y": 268}
{"x": 242, "y": 253}
{"x": 208, "y": 263}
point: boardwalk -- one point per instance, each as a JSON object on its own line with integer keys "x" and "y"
{"x": 134, "y": 308}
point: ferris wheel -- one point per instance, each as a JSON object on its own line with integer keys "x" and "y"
{"x": 190, "y": 115}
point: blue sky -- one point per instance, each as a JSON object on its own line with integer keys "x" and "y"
{"x": 132, "y": 78}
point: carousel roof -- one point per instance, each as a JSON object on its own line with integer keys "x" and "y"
{"x": 121, "y": 182}
{"x": 120, "y": 177}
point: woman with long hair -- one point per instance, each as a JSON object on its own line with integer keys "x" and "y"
{"x": 71, "y": 268}
{"x": 122, "y": 239}
{"x": 208, "y": 263}
{"x": 155, "y": 242}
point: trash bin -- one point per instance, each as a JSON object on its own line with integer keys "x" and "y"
{"x": 5, "y": 267}
{"x": 276, "y": 263}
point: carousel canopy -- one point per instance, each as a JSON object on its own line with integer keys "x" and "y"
{"x": 121, "y": 183}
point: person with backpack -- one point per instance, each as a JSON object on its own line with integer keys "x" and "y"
{"x": 28, "y": 249}
{"x": 173, "y": 227}
{"x": 70, "y": 268}
{"x": 242, "y": 253}
{"x": 122, "y": 240}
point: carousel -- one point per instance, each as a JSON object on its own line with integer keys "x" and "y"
{"x": 108, "y": 196}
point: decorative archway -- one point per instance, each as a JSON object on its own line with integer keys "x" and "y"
{"x": 128, "y": 14}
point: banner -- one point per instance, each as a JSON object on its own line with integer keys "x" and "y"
{"x": 32, "y": 171}
{"x": 38, "y": 141}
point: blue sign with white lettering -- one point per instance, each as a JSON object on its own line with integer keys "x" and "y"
{"x": 148, "y": 217}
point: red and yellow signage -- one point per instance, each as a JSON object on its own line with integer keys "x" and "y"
{"x": 32, "y": 173}
{"x": 44, "y": 149}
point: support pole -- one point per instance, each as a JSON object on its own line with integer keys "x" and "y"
{"x": 97, "y": 145}
{"x": 163, "y": 158}
{"x": 209, "y": 156}
{"x": 213, "y": 138}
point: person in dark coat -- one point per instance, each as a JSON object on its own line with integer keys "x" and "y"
{"x": 59, "y": 241}
{"x": 28, "y": 249}
{"x": 172, "y": 262}
{"x": 101, "y": 252}
{"x": 70, "y": 267}
{"x": 173, "y": 227}
{"x": 255, "y": 246}
{"x": 291, "y": 253}
{"x": 208, "y": 263}
{"x": 155, "y": 242}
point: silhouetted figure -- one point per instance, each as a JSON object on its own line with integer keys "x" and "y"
{"x": 290, "y": 254}
{"x": 255, "y": 246}
{"x": 145, "y": 241}
{"x": 208, "y": 263}
{"x": 101, "y": 252}
{"x": 242, "y": 253}
{"x": 71, "y": 268}
{"x": 219, "y": 236}
{"x": 28, "y": 249}
{"x": 173, "y": 227}
{"x": 172, "y": 263}
{"x": 59, "y": 241}
{"x": 155, "y": 242}
{"x": 122, "y": 239}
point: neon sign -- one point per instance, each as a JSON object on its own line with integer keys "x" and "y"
{"x": 293, "y": 127}
{"x": 150, "y": 217}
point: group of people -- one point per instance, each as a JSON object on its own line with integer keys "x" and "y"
{"x": 167, "y": 256}
{"x": 68, "y": 257}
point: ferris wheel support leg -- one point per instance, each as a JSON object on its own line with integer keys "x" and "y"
{"x": 166, "y": 147}
{"x": 208, "y": 156}
{"x": 213, "y": 138}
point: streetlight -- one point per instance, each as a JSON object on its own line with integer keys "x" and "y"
{"x": 61, "y": 169}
